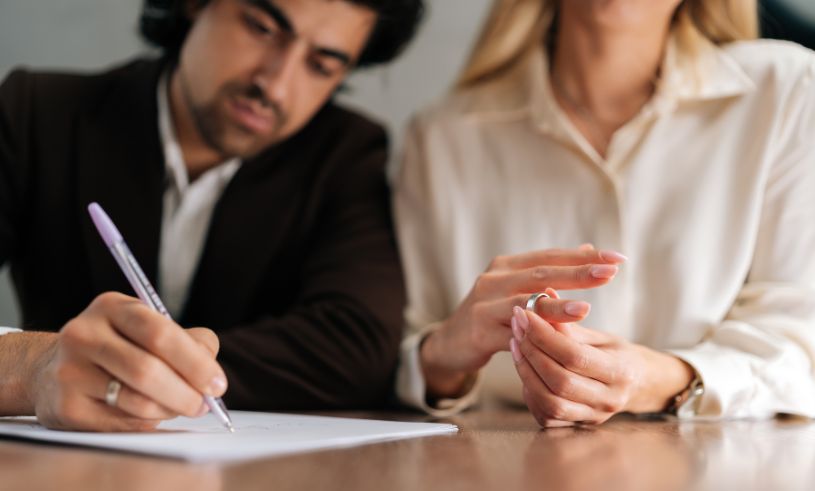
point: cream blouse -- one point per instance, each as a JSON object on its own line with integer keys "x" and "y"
{"x": 709, "y": 190}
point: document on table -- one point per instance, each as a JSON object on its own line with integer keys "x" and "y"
{"x": 256, "y": 435}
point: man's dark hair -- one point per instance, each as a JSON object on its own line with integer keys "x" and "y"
{"x": 164, "y": 23}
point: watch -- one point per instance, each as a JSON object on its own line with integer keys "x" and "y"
{"x": 686, "y": 403}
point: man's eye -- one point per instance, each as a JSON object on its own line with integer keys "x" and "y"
{"x": 256, "y": 26}
{"x": 320, "y": 69}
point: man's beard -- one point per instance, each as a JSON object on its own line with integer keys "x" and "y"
{"x": 228, "y": 139}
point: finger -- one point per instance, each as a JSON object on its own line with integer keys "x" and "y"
{"x": 166, "y": 340}
{"x": 134, "y": 404}
{"x": 93, "y": 381}
{"x": 588, "y": 246}
{"x": 569, "y": 385}
{"x": 537, "y": 411}
{"x": 583, "y": 335}
{"x": 206, "y": 338}
{"x": 111, "y": 419}
{"x": 552, "y": 310}
{"x": 145, "y": 374}
{"x": 538, "y": 279}
{"x": 563, "y": 257}
{"x": 576, "y": 357}
{"x": 82, "y": 413}
{"x": 549, "y": 406}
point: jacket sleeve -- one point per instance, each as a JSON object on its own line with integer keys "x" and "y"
{"x": 14, "y": 94}
{"x": 760, "y": 360}
{"x": 337, "y": 346}
{"x": 416, "y": 207}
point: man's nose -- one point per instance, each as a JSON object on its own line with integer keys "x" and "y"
{"x": 278, "y": 73}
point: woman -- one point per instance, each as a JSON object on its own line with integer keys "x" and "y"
{"x": 657, "y": 128}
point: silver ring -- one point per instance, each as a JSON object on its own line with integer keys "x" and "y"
{"x": 112, "y": 393}
{"x": 533, "y": 299}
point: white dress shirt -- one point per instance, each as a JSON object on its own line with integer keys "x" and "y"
{"x": 709, "y": 190}
{"x": 188, "y": 208}
{"x": 186, "y": 215}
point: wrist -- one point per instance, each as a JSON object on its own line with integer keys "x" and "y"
{"x": 666, "y": 377}
{"x": 442, "y": 381}
{"x": 23, "y": 357}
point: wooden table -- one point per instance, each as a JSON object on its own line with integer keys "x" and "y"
{"x": 498, "y": 449}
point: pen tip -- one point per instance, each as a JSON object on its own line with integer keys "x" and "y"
{"x": 231, "y": 428}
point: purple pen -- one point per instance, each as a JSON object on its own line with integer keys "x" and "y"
{"x": 145, "y": 291}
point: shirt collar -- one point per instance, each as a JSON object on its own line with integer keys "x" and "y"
{"x": 176, "y": 170}
{"x": 525, "y": 89}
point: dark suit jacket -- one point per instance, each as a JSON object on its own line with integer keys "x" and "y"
{"x": 299, "y": 274}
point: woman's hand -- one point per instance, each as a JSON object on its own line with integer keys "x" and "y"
{"x": 572, "y": 374}
{"x": 480, "y": 326}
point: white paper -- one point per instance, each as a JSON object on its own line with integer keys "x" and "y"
{"x": 256, "y": 435}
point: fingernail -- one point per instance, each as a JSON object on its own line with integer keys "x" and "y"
{"x": 552, "y": 293}
{"x": 577, "y": 309}
{"x": 515, "y": 350}
{"x": 603, "y": 271}
{"x": 203, "y": 410}
{"x": 520, "y": 316}
{"x": 217, "y": 386}
{"x": 516, "y": 331}
{"x": 612, "y": 257}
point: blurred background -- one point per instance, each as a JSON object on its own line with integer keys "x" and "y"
{"x": 93, "y": 34}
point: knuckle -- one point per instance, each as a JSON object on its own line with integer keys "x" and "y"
{"x": 562, "y": 386}
{"x": 482, "y": 284}
{"x": 144, "y": 372}
{"x": 106, "y": 301}
{"x": 555, "y": 410}
{"x": 614, "y": 404}
{"x": 541, "y": 273}
{"x": 73, "y": 334}
{"x": 147, "y": 409}
{"x": 576, "y": 361}
{"x": 497, "y": 262}
{"x": 157, "y": 337}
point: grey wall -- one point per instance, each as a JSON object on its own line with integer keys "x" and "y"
{"x": 90, "y": 34}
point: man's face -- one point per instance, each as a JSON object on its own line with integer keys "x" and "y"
{"x": 253, "y": 72}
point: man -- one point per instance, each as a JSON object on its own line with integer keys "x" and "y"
{"x": 255, "y": 204}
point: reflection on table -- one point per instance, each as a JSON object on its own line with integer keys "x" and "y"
{"x": 498, "y": 449}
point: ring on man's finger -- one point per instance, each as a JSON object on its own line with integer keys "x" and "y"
{"x": 112, "y": 392}
{"x": 533, "y": 299}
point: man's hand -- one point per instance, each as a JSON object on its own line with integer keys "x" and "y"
{"x": 164, "y": 370}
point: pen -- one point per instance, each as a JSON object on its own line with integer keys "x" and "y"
{"x": 113, "y": 239}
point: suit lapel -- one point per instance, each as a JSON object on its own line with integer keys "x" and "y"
{"x": 121, "y": 166}
{"x": 249, "y": 227}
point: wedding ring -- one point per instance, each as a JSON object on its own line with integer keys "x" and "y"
{"x": 112, "y": 393}
{"x": 533, "y": 299}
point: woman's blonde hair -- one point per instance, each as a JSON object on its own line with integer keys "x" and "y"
{"x": 514, "y": 27}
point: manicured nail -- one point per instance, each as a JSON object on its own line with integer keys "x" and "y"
{"x": 203, "y": 410}
{"x": 516, "y": 331}
{"x": 520, "y": 317}
{"x": 515, "y": 350}
{"x": 217, "y": 386}
{"x": 612, "y": 257}
{"x": 577, "y": 309}
{"x": 603, "y": 271}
